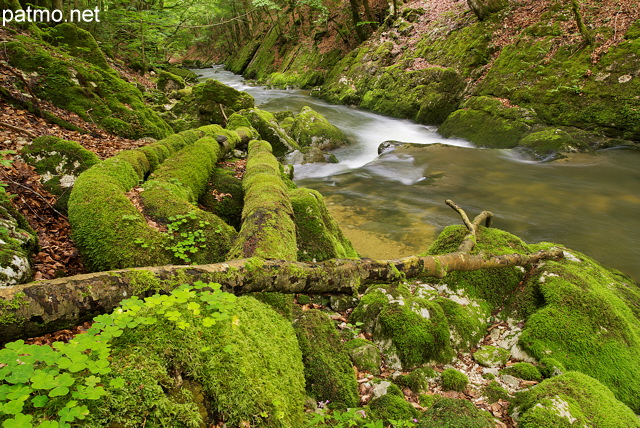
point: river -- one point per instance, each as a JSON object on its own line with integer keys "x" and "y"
{"x": 393, "y": 205}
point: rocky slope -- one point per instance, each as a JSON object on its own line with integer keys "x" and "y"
{"x": 523, "y": 76}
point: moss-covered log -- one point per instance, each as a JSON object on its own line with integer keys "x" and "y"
{"x": 40, "y": 307}
{"x": 267, "y": 228}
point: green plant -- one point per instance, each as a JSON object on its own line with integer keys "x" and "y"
{"x": 180, "y": 241}
{"x": 351, "y": 418}
{"x": 186, "y": 242}
{"x": 50, "y": 385}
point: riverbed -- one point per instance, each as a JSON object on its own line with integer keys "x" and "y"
{"x": 392, "y": 205}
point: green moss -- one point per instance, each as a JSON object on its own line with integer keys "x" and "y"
{"x": 491, "y": 356}
{"x": 486, "y": 122}
{"x": 566, "y": 88}
{"x": 111, "y": 233}
{"x": 522, "y": 370}
{"x": 364, "y": 354}
{"x": 267, "y": 229}
{"x": 417, "y": 381}
{"x": 311, "y": 128}
{"x": 454, "y": 380}
{"x": 454, "y": 413}
{"x": 551, "y": 140}
{"x": 572, "y": 399}
{"x": 210, "y": 103}
{"x": 391, "y": 407}
{"x": 224, "y": 196}
{"x": 413, "y": 329}
{"x": 467, "y": 322}
{"x": 495, "y": 286}
{"x": 318, "y": 235}
{"x": 328, "y": 371}
{"x": 270, "y": 130}
{"x": 588, "y": 322}
{"x": 248, "y": 368}
{"x": 8, "y": 308}
{"x": 78, "y": 42}
{"x": 169, "y": 82}
{"x": 494, "y": 392}
{"x": 96, "y": 94}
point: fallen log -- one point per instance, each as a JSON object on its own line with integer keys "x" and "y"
{"x": 36, "y": 308}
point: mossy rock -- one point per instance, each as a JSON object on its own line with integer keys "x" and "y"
{"x": 417, "y": 381}
{"x": 454, "y": 380}
{"x": 365, "y": 355}
{"x": 328, "y": 371}
{"x": 410, "y": 331}
{"x": 310, "y": 128}
{"x": 318, "y": 235}
{"x": 494, "y": 286}
{"x": 168, "y": 82}
{"x": 566, "y": 88}
{"x": 59, "y": 162}
{"x": 210, "y": 102}
{"x": 551, "y": 140}
{"x": 245, "y": 369}
{"x": 572, "y": 399}
{"x": 78, "y": 42}
{"x": 391, "y": 407}
{"x": 186, "y": 74}
{"x": 491, "y": 356}
{"x": 453, "y": 413}
{"x": 486, "y": 122}
{"x": 523, "y": 370}
{"x": 270, "y": 130}
{"x": 588, "y": 321}
{"x": 494, "y": 392}
{"x": 18, "y": 244}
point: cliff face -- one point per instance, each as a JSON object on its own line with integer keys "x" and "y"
{"x": 535, "y": 67}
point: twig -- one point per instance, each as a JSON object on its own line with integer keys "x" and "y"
{"x": 33, "y": 191}
{"x": 469, "y": 241}
{"x": 18, "y": 129}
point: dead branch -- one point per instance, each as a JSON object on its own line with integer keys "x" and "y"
{"x": 48, "y": 306}
{"x": 18, "y": 129}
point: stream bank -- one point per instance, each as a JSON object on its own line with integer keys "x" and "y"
{"x": 393, "y": 205}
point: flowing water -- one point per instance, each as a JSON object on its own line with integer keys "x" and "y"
{"x": 393, "y": 205}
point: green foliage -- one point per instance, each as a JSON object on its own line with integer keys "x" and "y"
{"x": 6, "y": 162}
{"x": 42, "y": 382}
{"x": 454, "y": 380}
{"x": 180, "y": 241}
{"x": 494, "y": 392}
